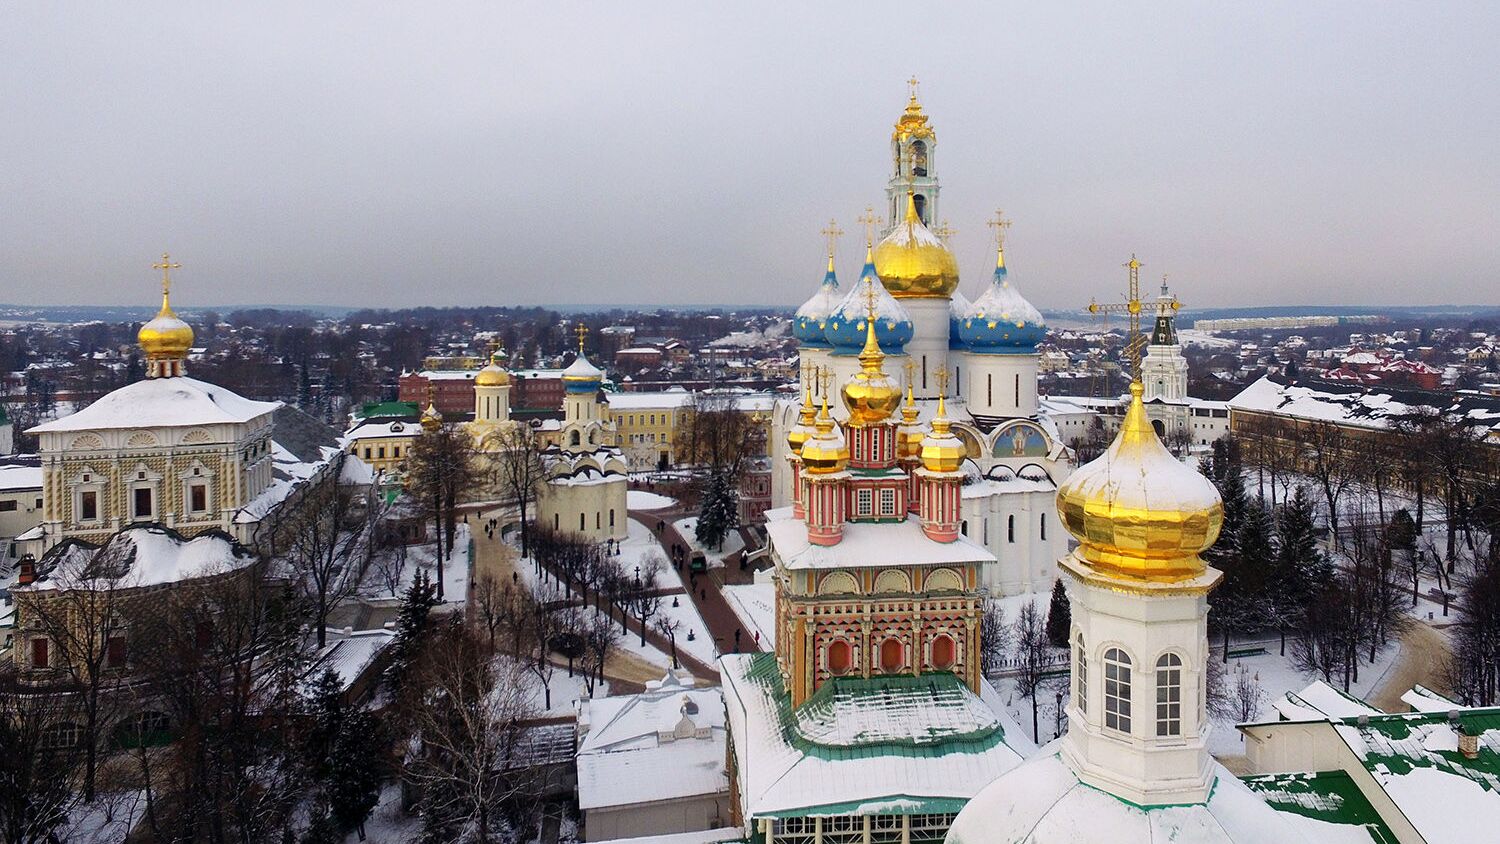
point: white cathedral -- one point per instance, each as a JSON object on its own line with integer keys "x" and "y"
{"x": 981, "y": 354}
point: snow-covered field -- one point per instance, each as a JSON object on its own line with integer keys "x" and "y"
{"x": 755, "y": 604}
{"x": 732, "y": 543}
{"x": 687, "y": 617}
{"x": 424, "y": 557}
{"x": 638, "y": 499}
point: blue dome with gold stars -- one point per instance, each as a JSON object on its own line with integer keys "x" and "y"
{"x": 846, "y": 325}
{"x": 812, "y": 318}
{"x": 1001, "y": 321}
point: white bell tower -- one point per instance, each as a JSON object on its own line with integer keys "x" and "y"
{"x": 913, "y": 163}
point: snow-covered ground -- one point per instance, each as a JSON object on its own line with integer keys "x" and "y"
{"x": 638, "y": 499}
{"x": 424, "y": 557}
{"x": 566, "y": 692}
{"x": 755, "y": 604}
{"x": 688, "y": 619}
{"x": 732, "y": 543}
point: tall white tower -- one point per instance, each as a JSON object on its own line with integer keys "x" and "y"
{"x": 1137, "y": 722}
{"x": 1164, "y": 370}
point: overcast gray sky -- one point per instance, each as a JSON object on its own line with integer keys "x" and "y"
{"x": 452, "y": 152}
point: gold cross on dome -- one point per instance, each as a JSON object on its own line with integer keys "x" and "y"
{"x": 869, "y": 221}
{"x": 832, "y": 233}
{"x": 870, "y": 300}
{"x": 941, "y": 376}
{"x": 944, "y": 231}
{"x": 999, "y": 224}
{"x": 824, "y": 376}
{"x": 911, "y": 372}
{"x": 166, "y": 266}
{"x": 582, "y": 331}
{"x": 911, "y": 85}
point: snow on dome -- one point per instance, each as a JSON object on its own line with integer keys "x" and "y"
{"x": 958, "y": 306}
{"x": 1138, "y": 511}
{"x": 846, "y": 325}
{"x": 812, "y": 317}
{"x": 581, "y": 376}
{"x": 1042, "y": 801}
{"x": 1001, "y": 321}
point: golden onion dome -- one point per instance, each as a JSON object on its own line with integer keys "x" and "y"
{"x": 910, "y": 435}
{"x": 165, "y": 337}
{"x": 941, "y": 450}
{"x": 825, "y": 452}
{"x": 912, "y": 262}
{"x": 431, "y": 418}
{"x": 1136, "y": 510}
{"x": 870, "y": 396}
{"x": 804, "y": 428}
{"x": 912, "y": 123}
{"x": 494, "y": 374}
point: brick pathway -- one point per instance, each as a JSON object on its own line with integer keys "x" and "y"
{"x": 714, "y": 608}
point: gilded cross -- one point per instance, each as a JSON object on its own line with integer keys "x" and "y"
{"x": 911, "y": 372}
{"x": 825, "y": 375}
{"x": 582, "y": 331}
{"x": 1135, "y": 344}
{"x": 911, "y": 85}
{"x": 941, "y": 376}
{"x": 944, "y": 232}
{"x": 870, "y": 300}
{"x": 166, "y": 266}
{"x": 832, "y": 233}
{"x": 869, "y": 221}
{"x": 999, "y": 224}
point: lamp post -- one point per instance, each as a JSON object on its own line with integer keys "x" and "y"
{"x": 1057, "y": 731}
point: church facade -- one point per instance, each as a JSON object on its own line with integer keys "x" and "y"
{"x": 982, "y": 355}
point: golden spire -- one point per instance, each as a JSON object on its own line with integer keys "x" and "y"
{"x": 832, "y": 233}
{"x": 870, "y": 395}
{"x": 166, "y": 266}
{"x": 941, "y": 450}
{"x": 869, "y": 221}
{"x": 166, "y": 339}
{"x": 825, "y": 452}
{"x": 431, "y": 417}
{"x": 940, "y": 422}
{"x": 494, "y": 374}
{"x": 999, "y": 224}
{"x": 909, "y": 411}
{"x": 799, "y": 433}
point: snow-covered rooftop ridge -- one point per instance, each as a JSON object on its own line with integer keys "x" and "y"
{"x": 662, "y": 744}
{"x": 912, "y": 711}
{"x": 793, "y": 777}
{"x": 1044, "y": 801}
{"x": 1370, "y": 407}
{"x": 162, "y": 403}
{"x": 141, "y": 556}
{"x": 15, "y": 476}
{"x": 1002, "y": 301}
{"x": 1320, "y": 700}
{"x": 870, "y": 545}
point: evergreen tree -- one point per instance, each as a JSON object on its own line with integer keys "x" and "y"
{"x": 1300, "y": 569}
{"x": 1239, "y": 604}
{"x": 354, "y": 772}
{"x": 411, "y": 623}
{"x": 719, "y": 513}
{"x": 1059, "y": 616}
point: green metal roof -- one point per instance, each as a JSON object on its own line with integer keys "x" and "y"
{"x": 1330, "y": 796}
{"x": 386, "y": 409}
{"x": 828, "y": 725}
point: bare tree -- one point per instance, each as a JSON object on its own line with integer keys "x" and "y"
{"x": 389, "y": 564}
{"x": 499, "y": 607}
{"x": 326, "y": 543}
{"x": 599, "y": 638}
{"x": 517, "y": 472}
{"x": 645, "y": 590}
{"x": 1331, "y": 461}
{"x": 442, "y": 469}
{"x": 81, "y": 607}
{"x": 39, "y": 760}
{"x": 668, "y": 626}
{"x": 994, "y": 638}
{"x": 714, "y": 433}
{"x": 1247, "y": 695}
{"x": 540, "y": 628}
{"x": 463, "y": 762}
{"x": 1474, "y": 668}
{"x": 1032, "y": 654}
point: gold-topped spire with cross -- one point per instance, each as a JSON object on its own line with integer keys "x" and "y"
{"x": 911, "y": 86}
{"x": 832, "y": 233}
{"x": 1135, "y": 344}
{"x": 944, "y": 232}
{"x": 869, "y": 221}
{"x": 166, "y": 265}
{"x": 582, "y": 331}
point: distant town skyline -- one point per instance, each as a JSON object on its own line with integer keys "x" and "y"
{"x": 679, "y": 154}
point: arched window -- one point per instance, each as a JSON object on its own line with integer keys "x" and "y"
{"x": 1081, "y": 677}
{"x": 892, "y": 656}
{"x": 942, "y": 651}
{"x": 573, "y": 438}
{"x": 1117, "y": 690}
{"x": 920, "y": 202}
{"x": 918, "y": 158}
{"x": 1169, "y": 695}
{"x": 838, "y": 657}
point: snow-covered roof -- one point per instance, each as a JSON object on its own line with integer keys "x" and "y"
{"x": 663, "y": 744}
{"x": 867, "y": 545}
{"x": 1044, "y": 801}
{"x": 16, "y": 476}
{"x": 1368, "y": 407}
{"x": 349, "y": 653}
{"x": 143, "y": 556}
{"x": 930, "y": 752}
{"x": 1321, "y": 700}
{"x": 161, "y": 403}
{"x": 383, "y": 429}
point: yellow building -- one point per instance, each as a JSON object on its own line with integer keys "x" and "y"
{"x": 647, "y": 424}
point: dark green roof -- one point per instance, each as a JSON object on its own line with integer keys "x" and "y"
{"x": 388, "y": 410}
{"x": 1329, "y": 796}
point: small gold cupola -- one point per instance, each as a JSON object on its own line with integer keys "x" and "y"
{"x": 942, "y": 451}
{"x": 166, "y": 339}
{"x": 826, "y": 452}
{"x": 806, "y": 421}
{"x": 870, "y": 396}
{"x": 1137, "y": 511}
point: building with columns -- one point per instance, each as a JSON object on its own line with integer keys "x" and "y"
{"x": 982, "y": 354}
{"x": 871, "y": 721}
